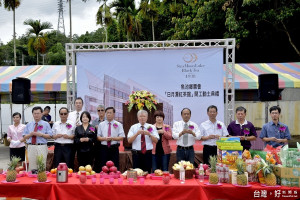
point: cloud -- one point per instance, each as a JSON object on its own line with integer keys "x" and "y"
{"x": 83, "y": 16}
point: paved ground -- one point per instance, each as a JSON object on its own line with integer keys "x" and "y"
{"x": 4, "y": 156}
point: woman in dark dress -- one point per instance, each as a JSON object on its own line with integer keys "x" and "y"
{"x": 85, "y": 136}
{"x": 161, "y": 150}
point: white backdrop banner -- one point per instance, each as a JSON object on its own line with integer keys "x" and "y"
{"x": 191, "y": 78}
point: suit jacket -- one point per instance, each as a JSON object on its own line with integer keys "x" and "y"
{"x": 81, "y": 133}
{"x": 165, "y": 140}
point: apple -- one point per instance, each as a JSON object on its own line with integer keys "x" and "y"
{"x": 17, "y": 169}
{"x": 102, "y": 172}
{"x": 118, "y": 172}
{"x": 21, "y": 172}
{"x": 93, "y": 172}
{"x": 111, "y": 173}
{"x": 21, "y": 168}
{"x": 113, "y": 169}
{"x": 110, "y": 163}
{"x": 105, "y": 169}
{"x": 88, "y": 173}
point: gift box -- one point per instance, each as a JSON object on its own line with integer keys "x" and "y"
{"x": 289, "y": 176}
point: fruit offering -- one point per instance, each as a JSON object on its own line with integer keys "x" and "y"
{"x": 186, "y": 165}
{"x": 54, "y": 171}
{"x": 41, "y": 169}
{"x": 158, "y": 172}
{"x": 88, "y": 169}
{"x": 213, "y": 176}
{"x": 110, "y": 169}
{"x": 11, "y": 175}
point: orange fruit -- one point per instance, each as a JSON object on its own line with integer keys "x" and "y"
{"x": 52, "y": 171}
{"x": 70, "y": 170}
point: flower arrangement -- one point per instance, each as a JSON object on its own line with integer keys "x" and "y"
{"x": 92, "y": 129}
{"x": 219, "y": 126}
{"x": 40, "y": 127}
{"x": 191, "y": 127}
{"x": 140, "y": 99}
{"x": 149, "y": 129}
{"x": 282, "y": 128}
{"x": 246, "y": 131}
{"x": 69, "y": 126}
{"x": 115, "y": 125}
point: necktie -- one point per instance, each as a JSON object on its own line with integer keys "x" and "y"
{"x": 143, "y": 142}
{"x": 33, "y": 138}
{"x": 185, "y": 136}
{"x": 109, "y": 134}
{"x": 77, "y": 118}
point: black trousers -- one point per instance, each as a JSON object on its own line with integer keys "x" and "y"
{"x": 84, "y": 158}
{"x": 142, "y": 161}
{"x": 111, "y": 153}
{"x": 208, "y": 151}
{"x": 18, "y": 152}
{"x": 63, "y": 153}
{"x": 97, "y": 157}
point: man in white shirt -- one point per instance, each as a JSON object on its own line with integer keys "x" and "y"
{"x": 63, "y": 133}
{"x": 211, "y": 130}
{"x": 110, "y": 133}
{"x": 75, "y": 115}
{"x": 141, "y": 136}
{"x": 185, "y": 132}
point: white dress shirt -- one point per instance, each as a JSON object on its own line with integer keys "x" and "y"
{"x": 179, "y": 126}
{"x": 61, "y": 128}
{"x": 73, "y": 115}
{"x": 136, "y": 144}
{"x": 115, "y": 131}
{"x": 208, "y": 128}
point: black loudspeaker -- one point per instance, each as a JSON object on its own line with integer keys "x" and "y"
{"x": 268, "y": 87}
{"x": 21, "y": 90}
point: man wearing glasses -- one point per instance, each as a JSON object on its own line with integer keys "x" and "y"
{"x": 97, "y": 146}
{"x": 63, "y": 133}
{"x": 101, "y": 114}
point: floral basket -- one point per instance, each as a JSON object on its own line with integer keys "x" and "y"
{"x": 189, "y": 174}
{"x": 141, "y": 99}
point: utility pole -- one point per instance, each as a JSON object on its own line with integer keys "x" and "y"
{"x": 61, "y": 22}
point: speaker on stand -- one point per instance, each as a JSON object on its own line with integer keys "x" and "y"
{"x": 21, "y": 93}
{"x": 268, "y": 90}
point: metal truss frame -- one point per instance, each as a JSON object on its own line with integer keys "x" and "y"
{"x": 228, "y": 45}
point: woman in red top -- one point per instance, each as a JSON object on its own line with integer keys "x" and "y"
{"x": 161, "y": 150}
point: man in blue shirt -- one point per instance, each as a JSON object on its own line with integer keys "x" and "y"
{"x": 36, "y": 134}
{"x": 275, "y": 133}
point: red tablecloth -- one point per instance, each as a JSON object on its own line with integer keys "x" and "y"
{"x": 152, "y": 190}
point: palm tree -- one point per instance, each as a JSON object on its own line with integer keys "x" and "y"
{"x": 12, "y": 5}
{"x": 37, "y": 41}
{"x": 149, "y": 10}
{"x": 70, "y": 14}
{"x": 126, "y": 14}
{"x": 104, "y": 16}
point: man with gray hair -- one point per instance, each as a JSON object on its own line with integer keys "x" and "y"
{"x": 141, "y": 136}
{"x": 101, "y": 114}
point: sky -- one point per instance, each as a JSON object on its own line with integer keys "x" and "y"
{"x": 83, "y": 17}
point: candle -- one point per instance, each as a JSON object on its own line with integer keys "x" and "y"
{"x": 142, "y": 180}
{"x": 120, "y": 180}
{"x": 101, "y": 180}
{"x": 130, "y": 180}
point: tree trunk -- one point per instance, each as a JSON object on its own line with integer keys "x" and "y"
{"x": 153, "y": 35}
{"x": 15, "y": 53}
{"x": 37, "y": 57}
{"x": 290, "y": 39}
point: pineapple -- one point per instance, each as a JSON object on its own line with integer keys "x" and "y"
{"x": 213, "y": 176}
{"x": 11, "y": 175}
{"x": 241, "y": 176}
{"x": 42, "y": 176}
{"x": 269, "y": 176}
